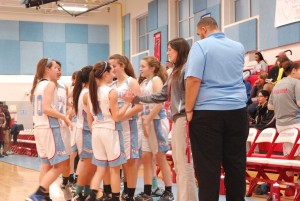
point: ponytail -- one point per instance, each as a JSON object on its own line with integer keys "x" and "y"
{"x": 82, "y": 77}
{"x": 93, "y": 92}
{"x": 98, "y": 70}
{"x": 40, "y": 71}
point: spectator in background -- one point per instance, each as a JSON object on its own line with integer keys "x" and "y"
{"x": 264, "y": 118}
{"x": 6, "y": 131}
{"x": 261, "y": 66}
{"x": 2, "y": 126}
{"x": 277, "y": 72}
{"x": 258, "y": 85}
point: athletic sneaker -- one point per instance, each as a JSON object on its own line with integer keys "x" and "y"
{"x": 166, "y": 196}
{"x": 143, "y": 197}
{"x": 157, "y": 192}
{"x": 72, "y": 187}
{"x": 35, "y": 197}
{"x": 105, "y": 197}
{"x": 79, "y": 197}
{"x": 67, "y": 192}
{"x": 124, "y": 196}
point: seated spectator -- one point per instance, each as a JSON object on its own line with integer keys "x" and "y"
{"x": 264, "y": 118}
{"x": 258, "y": 85}
{"x": 261, "y": 66}
{"x": 277, "y": 72}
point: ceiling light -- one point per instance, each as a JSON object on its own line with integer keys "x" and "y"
{"x": 73, "y": 8}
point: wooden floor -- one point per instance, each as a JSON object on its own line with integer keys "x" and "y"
{"x": 16, "y": 183}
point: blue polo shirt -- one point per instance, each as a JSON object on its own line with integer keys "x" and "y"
{"x": 218, "y": 62}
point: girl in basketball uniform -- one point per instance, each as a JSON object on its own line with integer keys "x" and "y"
{"x": 73, "y": 118}
{"x": 124, "y": 73}
{"x": 62, "y": 92}
{"x": 83, "y": 134}
{"x": 47, "y": 133}
{"x": 103, "y": 113}
{"x": 156, "y": 129}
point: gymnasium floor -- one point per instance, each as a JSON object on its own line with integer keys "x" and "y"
{"x": 19, "y": 178}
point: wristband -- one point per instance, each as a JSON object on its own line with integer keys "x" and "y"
{"x": 189, "y": 111}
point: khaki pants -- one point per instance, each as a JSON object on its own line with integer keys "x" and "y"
{"x": 6, "y": 141}
{"x": 186, "y": 183}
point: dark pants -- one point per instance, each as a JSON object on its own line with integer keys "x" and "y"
{"x": 219, "y": 138}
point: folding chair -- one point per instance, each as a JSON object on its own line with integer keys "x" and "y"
{"x": 256, "y": 161}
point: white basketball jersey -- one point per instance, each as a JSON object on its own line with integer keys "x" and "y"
{"x": 41, "y": 120}
{"x": 62, "y": 101}
{"x": 121, "y": 91}
{"x": 82, "y": 111}
{"x": 103, "y": 119}
{"x": 147, "y": 90}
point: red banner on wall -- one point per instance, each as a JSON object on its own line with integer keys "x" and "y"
{"x": 157, "y": 45}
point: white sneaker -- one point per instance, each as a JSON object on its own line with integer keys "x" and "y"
{"x": 67, "y": 192}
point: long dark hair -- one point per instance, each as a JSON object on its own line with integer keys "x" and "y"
{"x": 39, "y": 74}
{"x": 123, "y": 60}
{"x": 181, "y": 46}
{"x": 98, "y": 70}
{"x": 260, "y": 56}
{"x": 81, "y": 78}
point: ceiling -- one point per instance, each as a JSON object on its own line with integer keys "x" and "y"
{"x": 16, "y": 6}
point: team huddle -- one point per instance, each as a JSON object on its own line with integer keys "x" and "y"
{"x": 98, "y": 120}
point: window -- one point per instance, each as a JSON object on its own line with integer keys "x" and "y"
{"x": 143, "y": 35}
{"x": 237, "y": 10}
{"x": 186, "y": 18}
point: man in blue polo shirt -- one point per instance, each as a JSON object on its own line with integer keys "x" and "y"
{"x": 215, "y": 106}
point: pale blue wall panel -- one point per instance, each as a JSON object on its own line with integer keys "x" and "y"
{"x": 152, "y": 15}
{"x": 233, "y": 32}
{"x": 126, "y": 27}
{"x": 31, "y": 31}
{"x": 162, "y": 13}
{"x": 126, "y": 46}
{"x": 289, "y": 34}
{"x": 241, "y": 10}
{"x": 54, "y": 32}
{"x": 97, "y": 52}
{"x": 255, "y": 7}
{"x": 248, "y": 34}
{"x": 77, "y": 33}
{"x": 267, "y": 32}
{"x": 76, "y": 56}
{"x": 98, "y": 34}
{"x": 30, "y": 54}
{"x": 211, "y": 3}
{"x": 9, "y": 57}
{"x": 9, "y": 30}
{"x": 199, "y": 5}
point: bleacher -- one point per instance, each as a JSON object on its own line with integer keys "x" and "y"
{"x": 25, "y": 143}
{"x": 267, "y": 158}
